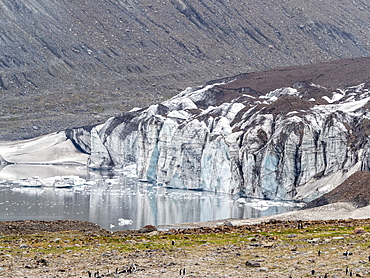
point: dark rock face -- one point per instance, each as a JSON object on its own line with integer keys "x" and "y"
{"x": 71, "y": 63}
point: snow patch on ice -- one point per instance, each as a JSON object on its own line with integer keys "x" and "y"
{"x": 347, "y": 107}
{"x": 53, "y": 148}
{"x": 181, "y": 114}
{"x": 336, "y": 97}
{"x": 188, "y": 97}
{"x": 274, "y": 95}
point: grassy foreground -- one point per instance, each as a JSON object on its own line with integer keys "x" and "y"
{"x": 274, "y": 249}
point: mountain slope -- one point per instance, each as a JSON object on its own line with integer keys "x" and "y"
{"x": 68, "y": 63}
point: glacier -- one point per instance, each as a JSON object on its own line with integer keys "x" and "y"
{"x": 293, "y": 142}
{"x": 283, "y": 145}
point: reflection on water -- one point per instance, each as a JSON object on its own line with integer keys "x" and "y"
{"x": 118, "y": 202}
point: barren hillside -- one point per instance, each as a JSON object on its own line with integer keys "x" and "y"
{"x": 68, "y": 63}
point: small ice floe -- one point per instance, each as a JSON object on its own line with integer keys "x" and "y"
{"x": 241, "y": 201}
{"x": 64, "y": 181}
{"x": 31, "y": 182}
{"x": 260, "y": 204}
{"x": 124, "y": 222}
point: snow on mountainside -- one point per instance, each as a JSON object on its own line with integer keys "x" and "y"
{"x": 288, "y": 133}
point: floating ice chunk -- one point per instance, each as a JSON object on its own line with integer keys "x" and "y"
{"x": 241, "y": 201}
{"x": 124, "y": 222}
{"x": 30, "y": 182}
{"x": 66, "y": 181}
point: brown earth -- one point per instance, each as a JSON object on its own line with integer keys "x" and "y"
{"x": 330, "y": 75}
{"x": 272, "y": 249}
{"x": 30, "y": 226}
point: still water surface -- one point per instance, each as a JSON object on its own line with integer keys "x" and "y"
{"x": 116, "y": 201}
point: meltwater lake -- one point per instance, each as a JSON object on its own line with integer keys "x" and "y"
{"x": 115, "y": 200}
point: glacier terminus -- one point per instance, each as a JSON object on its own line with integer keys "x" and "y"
{"x": 293, "y": 142}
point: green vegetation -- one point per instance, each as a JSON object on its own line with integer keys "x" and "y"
{"x": 80, "y": 242}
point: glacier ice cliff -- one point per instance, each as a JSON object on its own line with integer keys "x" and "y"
{"x": 292, "y": 142}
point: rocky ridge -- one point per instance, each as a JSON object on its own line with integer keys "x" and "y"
{"x": 72, "y": 63}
